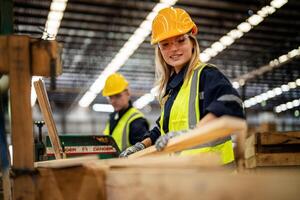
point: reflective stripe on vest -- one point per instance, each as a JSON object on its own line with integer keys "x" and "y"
{"x": 185, "y": 114}
{"x": 121, "y": 131}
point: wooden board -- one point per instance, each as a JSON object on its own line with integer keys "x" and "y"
{"x": 202, "y": 184}
{"x": 204, "y": 160}
{"x": 219, "y": 128}
{"x": 73, "y": 183}
{"x": 21, "y": 117}
{"x": 48, "y": 117}
{"x": 268, "y": 138}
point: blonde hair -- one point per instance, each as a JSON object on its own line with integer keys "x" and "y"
{"x": 163, "y": 71}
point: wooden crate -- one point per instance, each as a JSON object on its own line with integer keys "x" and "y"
{"x": 270, "y": 149}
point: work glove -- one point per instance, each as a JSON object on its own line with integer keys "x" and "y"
{"x": 163, "y": 140}
{"x": 130, "y": 150}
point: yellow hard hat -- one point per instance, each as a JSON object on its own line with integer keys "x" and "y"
{"x": 114, "y": 84}
{"x": 171, "y": 22}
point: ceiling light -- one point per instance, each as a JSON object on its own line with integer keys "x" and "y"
{"x": 293, "y": 53}
{"x": 278, "y": 109}
{"x": 87, "y": 99}
{"x": 55, "y": 15}
{"x": 255, "y": 19}
{"x": 103, "y": 108}
{"x": 289, "y": 105}
{"x": 204, "y": 57}
{"x": 244, "y": 27}
{"x": 235, "y": 33}
{"x": 210, "y": 52}
{"x": 283, "y": 107}
{"x": 283, "y": 58}
{"x": 277, "y": 91}
{"x": 285, "y": 88}
{"x": 217, "y": 46}
{"x": 58, "y": 5}
{"x": 296, "y": 102}
{"x": 226, "y": 40}
{"x": 292, "y": 85}
{"x": 236, "y": 85}
{"x": 278, "y": 3}
{"x": 298, "y": 82}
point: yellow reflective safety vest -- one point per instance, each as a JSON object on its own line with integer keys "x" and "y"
{"x": 121, "y": 131}
{"x": 185, "y": 115}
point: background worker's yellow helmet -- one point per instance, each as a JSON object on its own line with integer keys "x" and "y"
{"x": 171, "y": 22}
{"x": 114, "y": 84}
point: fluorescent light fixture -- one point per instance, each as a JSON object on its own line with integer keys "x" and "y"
{"x": 255, "y": 20}
{"x": 272, "y": 64}
{"x": 292, "y": 85}
{"x": 58, "y": 5}
{"x": 55, "y": 16}
{"x": 287, "y": 106}
{"x": 285, "y": 88}
{"x": 204, "y": 57}
{"x": 103, "y": 108}
{"x": 244, "y": 27}
{"x": 269, "y": 94}
{"x": 278, "y": 3}
{"x": 217, "y": 46}
{"x": 235, "y": 33}
{"x": 236, "y": 85}
{"x": 210, "y": 52}
{"x": 87, "y": 99}
{"x": 124, "y": 53}
{"x": 226, "y": 40}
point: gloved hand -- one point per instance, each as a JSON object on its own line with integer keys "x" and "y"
{"x": 163, "y": 140}
{"x": 130, "y": 150}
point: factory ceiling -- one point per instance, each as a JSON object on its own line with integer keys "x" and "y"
{"x": 93, "y": 31}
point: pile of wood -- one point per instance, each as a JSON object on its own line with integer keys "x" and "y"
{"x": 270, "y": 149}
{"x": 158, "y": 177}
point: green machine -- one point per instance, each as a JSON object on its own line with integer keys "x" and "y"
{"x": 79, "y": 145}
{"x": 76, "y": 145}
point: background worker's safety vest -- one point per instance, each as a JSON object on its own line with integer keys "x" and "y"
{"x": 185, "y": 114}
{"x": 121, "y": 131}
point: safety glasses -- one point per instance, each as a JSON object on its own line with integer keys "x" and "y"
{"x": 178, "y": 42}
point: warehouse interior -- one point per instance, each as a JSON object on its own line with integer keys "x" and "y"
{"x": 255, "y": 43}
{"x": 93, "y": 33}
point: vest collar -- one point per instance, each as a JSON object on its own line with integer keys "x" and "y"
{"x": 176, "y": 79}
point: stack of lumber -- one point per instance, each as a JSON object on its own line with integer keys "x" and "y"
{"x": 270, "y": 149}
{"x": 158, "y": 177}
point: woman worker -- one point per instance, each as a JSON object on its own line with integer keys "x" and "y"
{"x": 191, "y": 93}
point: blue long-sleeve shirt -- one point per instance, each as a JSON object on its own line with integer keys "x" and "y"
{"x": 216, "y": 95}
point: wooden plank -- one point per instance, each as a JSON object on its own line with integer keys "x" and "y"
{"x": 21, "y": 117}
{"x": 277, "y": 159}
{"x": 4, "y": 64}
{"x": 216, "y": 129}
{"x": 48, "y": 117}
{"x": 279, "y": 138}
{"x": 71, "y": 184}
{"x": 250, "y": 146}
{"x": 202, "y": 184}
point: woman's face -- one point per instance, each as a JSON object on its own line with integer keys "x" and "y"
{"x": 176, "y": 51}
